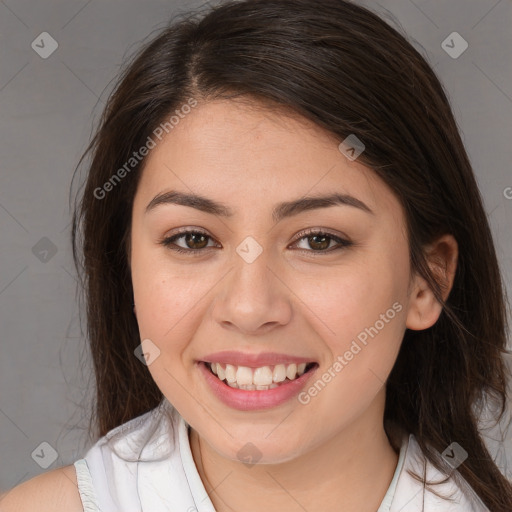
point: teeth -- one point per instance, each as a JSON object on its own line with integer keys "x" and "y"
{"x": 265, "y": 377}
{"x": 243, "y": 375}
{"x": 291, "y": 371}
{"x": 230, "y": 372}
{"x": 279, "y": 374}
{"x": 262, "y": 376}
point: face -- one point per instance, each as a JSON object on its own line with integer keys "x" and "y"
{"x": 326, "y": 285}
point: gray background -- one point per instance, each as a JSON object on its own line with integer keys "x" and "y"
{"x": 48, "y": 108}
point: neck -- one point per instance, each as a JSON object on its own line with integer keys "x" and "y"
{"x": 351, "y": 471}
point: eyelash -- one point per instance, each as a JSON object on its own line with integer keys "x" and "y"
{"x": 169, "y": 241}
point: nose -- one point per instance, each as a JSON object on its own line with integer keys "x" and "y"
{"x": 253, "y": 299}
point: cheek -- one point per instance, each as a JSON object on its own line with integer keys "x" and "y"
{"x": 163, "y": 293}
{"x": 359, "y": 314}
{"x": 167, "y": 304}
{"x": 352, "y": 298}
{"x": 169, "y": 310}
{"x": 170, "y": 307}
{"x": 363, "y": 329}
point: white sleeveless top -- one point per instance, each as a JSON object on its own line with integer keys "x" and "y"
{"x": 158, "y": 473}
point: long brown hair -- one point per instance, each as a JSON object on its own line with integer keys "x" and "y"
{"x": 348, "y": 71}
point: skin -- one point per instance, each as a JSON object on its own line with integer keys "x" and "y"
{"x": 333, "y": 451}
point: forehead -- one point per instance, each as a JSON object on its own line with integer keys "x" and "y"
{"x": 237, "y": 151}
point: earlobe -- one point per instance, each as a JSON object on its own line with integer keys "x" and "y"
{"x": 424, "y": 309}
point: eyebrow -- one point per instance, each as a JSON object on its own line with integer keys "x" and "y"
{"x": 280, "y": 211}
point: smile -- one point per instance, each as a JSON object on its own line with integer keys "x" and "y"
{"x": 261, "y": 378}
{"x": 238, "y": 388}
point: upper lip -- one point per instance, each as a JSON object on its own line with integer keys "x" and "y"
{"x": 254, "y": 360}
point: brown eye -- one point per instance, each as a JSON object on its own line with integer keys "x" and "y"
{"x": 195, "y": 242}
{"x": 320, "y": 241}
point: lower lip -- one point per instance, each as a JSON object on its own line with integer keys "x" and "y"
{"x": 245, "y": 400}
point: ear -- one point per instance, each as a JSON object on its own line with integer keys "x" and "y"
{"x": 424, "y": 309}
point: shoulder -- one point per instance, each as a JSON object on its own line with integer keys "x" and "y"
{"x": 54, "y": 490}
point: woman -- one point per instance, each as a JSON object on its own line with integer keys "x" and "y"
{"x": 293, "y": 296}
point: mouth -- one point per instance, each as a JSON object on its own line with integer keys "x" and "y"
{"x": 262, "y": 378}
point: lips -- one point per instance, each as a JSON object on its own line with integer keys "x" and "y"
{"x": 249, "y": 397}
{"x": 255, "y": 360}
